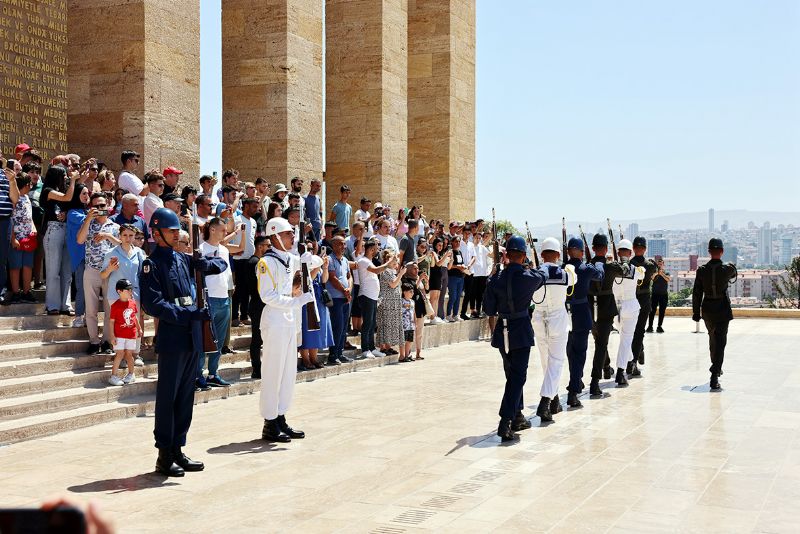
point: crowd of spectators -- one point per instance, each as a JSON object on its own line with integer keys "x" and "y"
{"x": 80, "y": 231}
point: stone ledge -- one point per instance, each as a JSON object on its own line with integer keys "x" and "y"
{"x": 744, "y": 313}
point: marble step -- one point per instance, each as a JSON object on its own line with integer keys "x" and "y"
{"x": 69, "y": 333}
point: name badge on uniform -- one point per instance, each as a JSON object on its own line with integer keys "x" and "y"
{"x": 145, "y": 268}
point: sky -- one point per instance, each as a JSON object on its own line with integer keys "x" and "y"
{"x": 622, "y": 109}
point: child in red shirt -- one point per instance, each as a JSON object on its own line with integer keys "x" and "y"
{"x": 125, "y": 329}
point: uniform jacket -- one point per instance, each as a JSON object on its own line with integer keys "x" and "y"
{"x": 710, "y": 293}
{"x": 602, "y": 292}
{"x": 551, "y": 298}
{"x": 625, "y": 292}
{"x": 274, "y": 274}
{"x": 520, "y": 283}
{"x": 168, "y": 275}
{"x": 579, "y": 301}
{"x": 643, "y": 292}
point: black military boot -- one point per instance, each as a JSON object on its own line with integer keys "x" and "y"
{"x": 629, "y": 367}
{"x": 166, "y": 465}
{"x": 543, "y": 410}
{"x": 635, "y": 369}
{"x": 621, "y": 380}
{"x": 640, "y": 357}
{"x": 555, "y": 406}
{"x": 714, "y": 383}
{"x": 185, "y": 462}
{"x": 608, "y": 372}
{"x": 594, "y": 389}
{"x": 289, "y": 431}
{"x": 272, "y": 432}
{"x": 572, "y": 400}
{"x": 520, "y": 422}
{"x": 505, "y": 432}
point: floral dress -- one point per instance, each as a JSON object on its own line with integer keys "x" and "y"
{"x": 390, "y": 322}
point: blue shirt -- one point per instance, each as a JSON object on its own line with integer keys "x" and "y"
{"x": 343, "y": 212}
{"x": 128, "y": 268}
{"x": 339, "y": 269}
{"x": 578, "y": 301}
{"x": 520, "y": 283}
{"x": 77, "y": 251}
{"x": 136, "y": 222}
{"x": 312, "y": 211}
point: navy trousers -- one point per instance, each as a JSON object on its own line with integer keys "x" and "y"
{"x": 515, "y": 365}
{"x": 717, "y": 339}
{"x": 174, "y": 398}
{"x": 602, "y": 330}
{"x": 577, "y": 343}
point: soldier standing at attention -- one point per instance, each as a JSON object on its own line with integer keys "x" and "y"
{"x": 551, "y": 324}
{"x": 166, "y": 283}
{"x": 280, "y": 322}
{"x": 628, "y": 305}
{"x": 644, "y": 297}
{"x": 508, "y": 295}
{"x": 602, "y": 295}
{"x": 710, "y": 302}
{"x": 578, "y": 340}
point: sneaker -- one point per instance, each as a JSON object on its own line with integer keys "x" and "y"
{"x": 226, "y": 350}
{"x": 200, "y": 384}
{"x": 463, "y": 317}
{"x": 106, "y": 348}
{"x": 94, "y": 348}
{"x": 16, "y": 298}
{"x": 79, "y": 321}
{"x": 236, "y": 322}
{"x": 218, "y": 381}
{"x": 437, "y": 320}
{"x": 115, "y": 381}
{"x": 344, "y": 359}
{"x": 332, "y": 361}
{"x": 248, "y": 322}
{"x": 68, "y": 311}
{"x": 367, "y": 355}
{"x": 378, "y": 354}
{"x": 28, "y": 298}
{"x": 660, "y": 330}
{"x": 138, "y": 362}
{"x": 459, "y": 319}
{"x": 129, "y": 379}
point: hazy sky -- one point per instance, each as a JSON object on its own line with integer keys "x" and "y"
{"x": 623, "y": 109}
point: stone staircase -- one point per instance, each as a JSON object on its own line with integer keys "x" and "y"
{"x": 49, "y": 385}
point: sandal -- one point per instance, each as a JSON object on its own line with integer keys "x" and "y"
{"x": 420, "y": 358}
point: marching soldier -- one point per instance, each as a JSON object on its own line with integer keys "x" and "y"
{"x": 508, "y": 295}
{"x": 628, "y": 306}
{"x": 280, "y": 322}
{"x": 602, "y": 296}
{"x": 578, "y": 302}
{"x": 166, "y": 283}
{"x": 643, "y": 295}
{"x": 710, "y": 302}
{"x": 551, "y": 324}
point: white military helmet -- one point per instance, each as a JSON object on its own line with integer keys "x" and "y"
{"x": 551, "y": 243}
{"x": 625, "y": 243}
{"x": 312, "y": 260}
{"x": 276, "y": 225}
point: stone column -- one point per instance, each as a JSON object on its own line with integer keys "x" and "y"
{"x": 272, "y": 88}
{"x": 135, "y": 82}
{"x": 366, "y": 90}
{"x": 441, "y": 107}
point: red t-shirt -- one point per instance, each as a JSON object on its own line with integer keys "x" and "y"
{"x": 124, "y": 315}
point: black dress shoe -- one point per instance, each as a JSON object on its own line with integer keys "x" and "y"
{"x": 289, "y": 431}
{"x": 520, "y": 423}
{"x": 608, "y": 372}
{"x": 271, "y": 432}
{"x": 714, "y": 383}
{"x": 555, "y": 406}
{"x": 166, "y": 464}
{"x": 543, "y": 410}
{"x": 621, "y": 380}
{"x": 635, "y": 369}
{"x": 594, "y": 389}
{"x": 572, "y": 400}
{"x": 629, "y": 368}
{"x": 640, "y": 357}
{"x": 660, "y": 330}
{"x": 649, "y": 330}
{"x": 185, "y": 462}
{"x": 505, "y": 432}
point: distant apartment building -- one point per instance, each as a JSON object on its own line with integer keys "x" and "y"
{"x": 632, "y": 231}
{"x": 730, "y": 254}
{"x": 749, "y": 284}
{"x": 711, "y": 220}
{"x": 764, "y": 256}
{"x": 725, "y": 227}
{"x": 786, "y": 244}
{"x": 658, "y": 246}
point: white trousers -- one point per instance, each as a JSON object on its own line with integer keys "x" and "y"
{"x": 628, "y": 315}
{"x": 278, "y": 368}
{"x": 552, "y": 332}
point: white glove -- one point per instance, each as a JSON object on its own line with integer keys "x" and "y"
{"x": 306, "y": 298}
{"x": 305, "y": 257}
{"x": 572, "y": 278}
{"x": 640, "y": 270}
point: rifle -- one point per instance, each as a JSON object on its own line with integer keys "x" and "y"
{"x": 531, "y": 241}
{"x": 209, "y": 340}
{"x": 586, "y": 250}
{"x": 621, "y": 235}
{"x": 495, "y": 245}
{"x": 563, "y": 240}
{"x": 312, "y": 314}
{"x": 611, "y": 237}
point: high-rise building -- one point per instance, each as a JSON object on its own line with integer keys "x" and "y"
{"x": 711, "y": 219}
{"x": 786, "y": 250}
{"x": 725, "y": 226}
{"x": 632, "y": 231}
{"x": 730, "y": 254}
{"x": 658, "y": 245}
{"x": 764, "y": 256}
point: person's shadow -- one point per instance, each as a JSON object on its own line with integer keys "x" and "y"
{"x": 703, "y": 388}
{"x": 120, "y": 485}
{"x": 247, "y": 447}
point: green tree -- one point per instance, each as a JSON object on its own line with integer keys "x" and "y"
{"x": 787, "y": 288}
{"x": 682, "y": 298}
{"x": 505, "y": 226}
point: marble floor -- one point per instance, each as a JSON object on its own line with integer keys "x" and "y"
{"x": 411, "y": 447}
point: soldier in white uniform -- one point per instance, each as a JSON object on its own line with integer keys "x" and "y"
{"x": 551, "y": 324}
{"x": 628, "y": 306}
{"x": 279, "y": 323}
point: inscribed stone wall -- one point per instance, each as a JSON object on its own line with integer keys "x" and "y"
{"x": 33, "y": 76}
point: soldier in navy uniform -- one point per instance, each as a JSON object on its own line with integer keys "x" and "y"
{"x": 605, "y": 307}
{"x": 710, "y": 302}
{"x": 508, "y": 295}
{"x": 645, "y": 297}
{"x": 578, "y": 303}
{"x": 166, "y": 281}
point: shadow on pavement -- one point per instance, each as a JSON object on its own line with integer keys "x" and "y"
{"x": 246, "y": 447}
{"x": 120, "y": 485}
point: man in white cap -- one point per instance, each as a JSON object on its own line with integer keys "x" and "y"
{"x": 279, "y": 324}
{"x": 551, "y": 324}
{"x": 628, "y": 306}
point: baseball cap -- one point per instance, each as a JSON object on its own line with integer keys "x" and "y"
{"x": 171, "y": 196}
{"x": 172, "y": 170}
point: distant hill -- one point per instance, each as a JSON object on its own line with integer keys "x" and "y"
{"x": 679, "y": 221}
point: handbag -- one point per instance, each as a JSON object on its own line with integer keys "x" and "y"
{"x": 327, "y": 300}
{"x": 429, "y": 312}
{"x": 28, "y": 244}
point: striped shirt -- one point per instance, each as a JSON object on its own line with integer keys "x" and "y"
{"x": 6, "y": 207}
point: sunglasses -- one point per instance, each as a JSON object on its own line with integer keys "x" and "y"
{"x": 183, "y": 242}
{"x": 103, "y": 205}
{"x": 95, "y": 169}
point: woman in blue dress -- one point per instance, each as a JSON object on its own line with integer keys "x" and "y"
{"x": 322, "y": 338}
